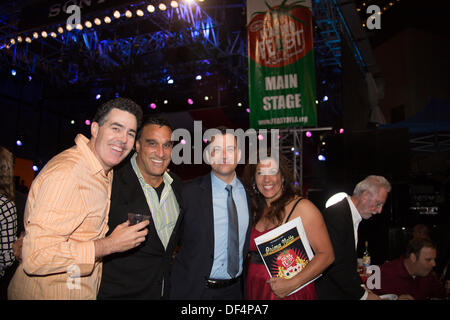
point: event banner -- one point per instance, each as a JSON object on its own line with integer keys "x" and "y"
{"x": 282, "y": 86}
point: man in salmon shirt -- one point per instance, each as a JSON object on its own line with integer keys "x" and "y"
{"x": 66, "y": 216}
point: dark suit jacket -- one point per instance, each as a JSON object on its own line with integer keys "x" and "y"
{"x": 341, "y": 279}
{"x": 139, "y": 272}
{"x": 195, "y": 258}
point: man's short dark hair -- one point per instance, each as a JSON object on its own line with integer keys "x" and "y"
{"x": 120, "y": 103}
{"x": 415, "y": 245}
{"x": 148, "y": 120}
{"x": 223, "y": 131}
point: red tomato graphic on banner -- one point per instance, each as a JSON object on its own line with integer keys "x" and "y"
{"x": 280, "y": 36}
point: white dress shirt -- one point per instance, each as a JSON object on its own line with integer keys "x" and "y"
{"x": 356, "y": 218}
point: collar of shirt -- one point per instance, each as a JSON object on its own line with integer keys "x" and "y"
{"x": 356, "y": 218}
{"x": 94, "y": 164}
{"x": 167, "y": 179}
{"x": 220, "y": 184}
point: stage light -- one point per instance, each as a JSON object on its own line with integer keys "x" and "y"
{"x": 107, "y": 19}
{"x": 128, "y": 14}
{"x": 98, "y": 96}
{"x": 174, "y": 4}
{"x": 239, "y": 104}
{"x": 116, "y": 94}
{"x": 28, "y": 39}
{"x": 335, "y": 199}
{"x": 97, "y": 21}
{"x": 260, "y": 137}
{"x": 321, "y": 157}
{"x": 87, "y": 122}
{"x": 44, "y": 34}
{"x": 53, "y": 34}
{"x": 69, "y": 27}
{"x": 153, "y": 105}
{"x": 190, "y": 101}
{"x": 341, "y": 130}
{"x": 88, "y": 24}
{"x": 206, "y": 98}
{"x": 35, "y": 168}
{"x": 19, "y": 39}
{"x": 162, "y": 7}
{"x": 325, "y": 98}
{"x": 248, "y": 110}
{"x": 13, "y": 72}
{"x": 308, "y": 134}
{"x": 79, "y": 27}
{"x": 150, "y": 8}
{"x": 183, "y": 141}
{"x": 170, "y": 81}
{"x": 60, "y": 29}
{"x": 116, "y": 14}
{"x": 198, "y": 77}
{"x": 317, "y": 101}
{"x": 12, "y": 41}
{"x": 29, "y": 78}
{"x": 140, "y": 13}
{"x": 166, "y": 101}
{"x": 72, "y": 122}
{"x": 19, "y": 143}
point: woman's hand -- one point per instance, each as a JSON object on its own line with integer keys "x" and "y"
{"x": 281, "y": 287}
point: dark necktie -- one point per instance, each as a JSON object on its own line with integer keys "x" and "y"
{"x": 233, "y": 235}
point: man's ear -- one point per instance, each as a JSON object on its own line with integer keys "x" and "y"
{"x": 239, "y": 154}
{"x": 94, "y": 129}
{"x": 137, "y": 145}
{"x": 413, "y": 257}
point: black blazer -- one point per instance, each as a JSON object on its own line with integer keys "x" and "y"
{"x": 139, "y": 272}
{"x": 341, "y": 279}
{"x": 195, "y": 258}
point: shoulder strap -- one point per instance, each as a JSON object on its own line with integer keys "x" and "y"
{"x": 293, "y": 208}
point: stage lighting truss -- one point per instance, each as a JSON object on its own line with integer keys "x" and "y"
{"x": 101, "y": 38}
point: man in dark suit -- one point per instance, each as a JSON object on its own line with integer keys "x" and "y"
{"x": 142, "y": 185}
{"x": 341, "y": 280}
{"x": 202, "y": 266}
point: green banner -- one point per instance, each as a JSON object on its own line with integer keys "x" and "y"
{"x": 282, "y": 87}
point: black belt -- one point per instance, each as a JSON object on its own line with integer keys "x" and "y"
{"x": 219, "y": 283}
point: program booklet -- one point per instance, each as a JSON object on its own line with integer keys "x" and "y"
{"x": 285, "y": 250}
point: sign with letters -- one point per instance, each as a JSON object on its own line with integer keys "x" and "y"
{"x": 281, "y": 64}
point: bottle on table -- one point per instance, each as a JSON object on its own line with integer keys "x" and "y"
{"x": 366, "y": 255}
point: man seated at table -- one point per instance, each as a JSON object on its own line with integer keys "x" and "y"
{"x": 410, "y": 276}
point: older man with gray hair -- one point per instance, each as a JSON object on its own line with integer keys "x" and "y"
{"x": 341, "y": 280}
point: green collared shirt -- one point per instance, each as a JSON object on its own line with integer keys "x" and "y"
{"x": 165, "y": 210}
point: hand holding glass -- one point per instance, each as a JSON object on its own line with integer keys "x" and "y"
{"x": 135, "y": 218}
